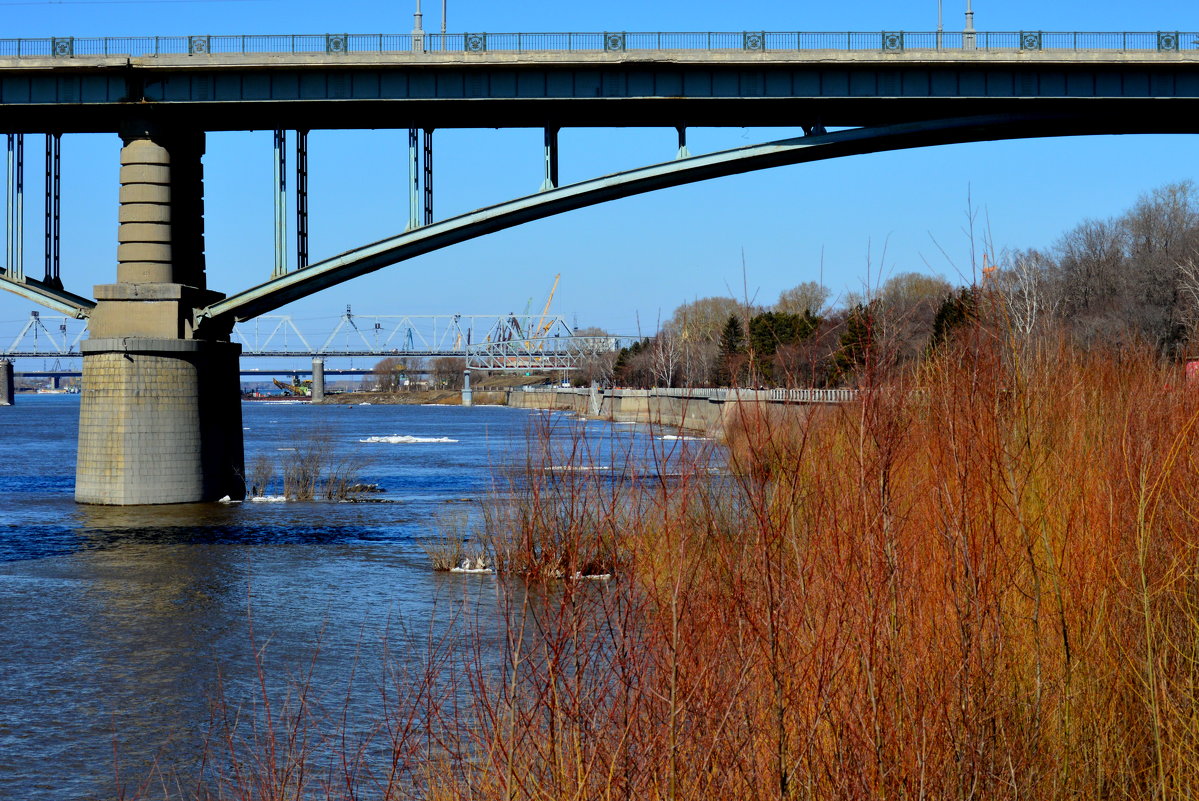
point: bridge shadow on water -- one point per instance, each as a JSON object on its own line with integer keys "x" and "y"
{"x": 292, "y": 523}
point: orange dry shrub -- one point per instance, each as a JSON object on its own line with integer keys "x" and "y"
{"x": 980, "y": 581}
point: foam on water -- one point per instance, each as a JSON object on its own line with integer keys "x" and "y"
{"x": 404, "y": 439}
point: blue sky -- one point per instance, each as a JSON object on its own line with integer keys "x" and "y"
{"x": 627, "y": 264}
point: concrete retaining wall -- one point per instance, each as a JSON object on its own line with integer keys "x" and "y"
{"x": 692, "y": 414}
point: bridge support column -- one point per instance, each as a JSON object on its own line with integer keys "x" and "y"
{"x": 318, "y": 380}
{"x": 594, "y": 404}
{"x": 8, "y": 387}
{"x": 551, "y": 160}
{"x": 159, "y": 422}
{"x": 160, "y": 409}
{"x": 467, "y": 395}
{"x": 683, "y": 153}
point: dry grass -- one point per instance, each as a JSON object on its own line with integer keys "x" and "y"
{"x": 316, "y": 469}
{"x": 452, "y": 546}
{"x": 979, "y": 582}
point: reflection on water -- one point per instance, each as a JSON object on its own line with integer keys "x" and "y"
{"x": 124, "y": 626}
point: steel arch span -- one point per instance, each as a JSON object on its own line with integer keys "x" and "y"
{"x": 271, "y": 295}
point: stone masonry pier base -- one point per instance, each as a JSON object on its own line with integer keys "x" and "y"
{"x": 159, "y": 422}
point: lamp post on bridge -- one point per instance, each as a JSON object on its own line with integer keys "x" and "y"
{"x": 940, "y": 22}
{"x": 418, "y": 31}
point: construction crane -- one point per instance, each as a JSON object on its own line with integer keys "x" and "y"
{"x": 542, "y": 325}
{"x": 297, "y": 387}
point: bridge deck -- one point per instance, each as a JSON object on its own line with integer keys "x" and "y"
{"x": 743, "y": 81}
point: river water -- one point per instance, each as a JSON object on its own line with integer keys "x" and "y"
{"x": 121, "y": 629}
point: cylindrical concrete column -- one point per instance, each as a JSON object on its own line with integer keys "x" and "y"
{"x": 318, "y": 380}
{"x": 161, "y": 217}
{"x": 159, "y": 422}
{"x": 467, "y": 399}
{"x": 8, "y": 387}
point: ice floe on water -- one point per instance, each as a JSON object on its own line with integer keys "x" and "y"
{"x": 576, "y": 468}
{"x": 404, "y": 439}
{"x": 268, "y": 499}
{"x": 477, "y": 565}
{"x": 681, "y": 437}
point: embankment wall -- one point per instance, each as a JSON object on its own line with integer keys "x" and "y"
{"x": 692, "y": 414}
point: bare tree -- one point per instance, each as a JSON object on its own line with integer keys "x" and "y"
{"x": 806, "y": 297}
{"x": 1028, "y": 291}
{"x": 702, "y": 320}
{"x": 390, "y": 374}
{"x": 1188, "y": 272}
{"x": 666, "y": 356}
{"x": 447, "y": 372}
{"x": 902, "y": 320}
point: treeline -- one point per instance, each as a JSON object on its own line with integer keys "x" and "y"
{"x": 1133, "y": 279}
{"x": 397, "y": 373}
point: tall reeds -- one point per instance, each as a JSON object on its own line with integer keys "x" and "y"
{"x": 979, "y": 581}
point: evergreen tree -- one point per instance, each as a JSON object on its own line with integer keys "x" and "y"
{"x": 957, "y": 310}
{"x": 855, "y": 343}
{"x": 771, "y": 330}
{"x": 732, "y": 346}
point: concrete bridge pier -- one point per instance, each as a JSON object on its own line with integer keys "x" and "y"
{"x": 8, "y": 387}
{"x": 160, "y": 407}
{"x": 318, "y": 380}
{"x": 467, "y": 395}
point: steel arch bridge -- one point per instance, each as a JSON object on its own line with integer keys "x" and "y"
{"x": 219, "y": 317}
{"x": 293, "y": 286}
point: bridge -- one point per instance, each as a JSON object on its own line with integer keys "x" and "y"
{"x": 159, "y": 417}
{"x": 492, "y": 342}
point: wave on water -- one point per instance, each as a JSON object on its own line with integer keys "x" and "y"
{"x": 404, "y": 439}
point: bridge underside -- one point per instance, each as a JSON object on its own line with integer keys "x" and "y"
{"x": 1141, "y": 113}
{"x": 594, "y": 90}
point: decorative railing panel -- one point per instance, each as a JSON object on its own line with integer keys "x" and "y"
{"x": 890, "y": 42}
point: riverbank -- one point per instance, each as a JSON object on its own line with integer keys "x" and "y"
{"x": 702, "y": 411}
{"x": 433, "y": 397}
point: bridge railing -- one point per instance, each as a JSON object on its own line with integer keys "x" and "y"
{"x": 608, "y": 41}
